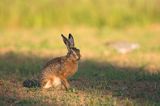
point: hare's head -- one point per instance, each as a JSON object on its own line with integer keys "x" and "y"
{"x": 73, "y": 52}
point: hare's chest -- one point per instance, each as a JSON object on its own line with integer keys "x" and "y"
{"x": 70, "y": 69}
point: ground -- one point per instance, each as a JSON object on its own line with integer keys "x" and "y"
{"x": 104, "y": 77}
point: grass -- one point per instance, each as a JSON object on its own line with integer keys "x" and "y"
{"x": 104, "y": 77}
{"x": 53, "y": 13}
{"x": 30, "y": 36}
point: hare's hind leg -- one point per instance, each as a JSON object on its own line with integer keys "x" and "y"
{"x": 56, "y": 81}
{"x": 47, "y": 84}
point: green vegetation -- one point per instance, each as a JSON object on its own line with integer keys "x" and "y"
{"x": 92, "y": 13}
{"x": 30, "y": 35}
{"x": 105, "y": 77}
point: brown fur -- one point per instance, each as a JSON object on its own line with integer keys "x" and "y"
{"x": 56, "y": 71}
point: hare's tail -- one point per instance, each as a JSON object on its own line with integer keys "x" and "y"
{"x": 31, "y": 83}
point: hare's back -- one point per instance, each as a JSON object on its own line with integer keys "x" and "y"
{"x": 54, "y": 64}
{"x": 51, "y": 69}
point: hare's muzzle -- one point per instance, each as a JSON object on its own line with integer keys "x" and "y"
{"x": 79, "y": 57}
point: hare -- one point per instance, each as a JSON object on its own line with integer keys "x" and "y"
{"x": 56, "y": 71}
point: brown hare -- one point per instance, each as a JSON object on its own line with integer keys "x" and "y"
{"x": 56, "y": 71}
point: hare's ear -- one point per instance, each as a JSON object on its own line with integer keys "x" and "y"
{"x": 71, "y": 40}
{"x": 65, "y": 40}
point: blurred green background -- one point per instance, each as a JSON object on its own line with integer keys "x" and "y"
{"x": 92, "y": 13}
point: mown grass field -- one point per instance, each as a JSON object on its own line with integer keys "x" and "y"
{"x": 104, "y": 77}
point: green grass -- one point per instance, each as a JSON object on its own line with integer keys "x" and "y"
{"x": 30, "y": 35}
{"x": 94, "y": 84}
{"x": 97, "y": 13}
{"x": 104, "y": 77}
